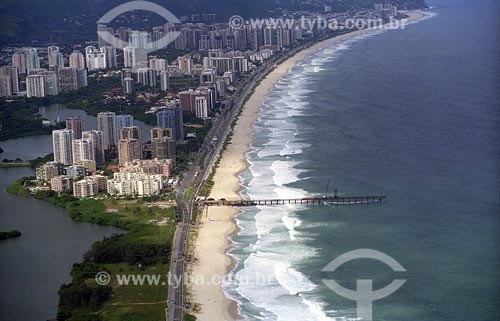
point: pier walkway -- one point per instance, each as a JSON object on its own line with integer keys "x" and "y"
{"x": 332, "y": 200}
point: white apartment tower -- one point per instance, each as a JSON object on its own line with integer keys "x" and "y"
{"x": 62, "y": 145}
{"x": 35, "y": 86}
{"x": 96, "y": 137}
{"x": 82, "y": 149}
{"x": 164, "y": 80}
{"x": 96, "y": 58}
{"x": 32, "y": 59}
{"x": 201, "y": 107}
{"x": 55, "y": 56}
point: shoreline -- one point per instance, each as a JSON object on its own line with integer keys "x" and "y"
{"x": 217, "y": 224}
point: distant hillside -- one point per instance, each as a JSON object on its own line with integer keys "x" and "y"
{"x": 24, "y": 20}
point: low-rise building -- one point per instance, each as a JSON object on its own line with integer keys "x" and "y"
{"x": 84, "y": 188}
{"x": 76, "y": 171}
{"x": 90, "y": 186}
{"x": 48, "y": 170}
{"x": 61, "y": 183}
{"x": 149, "y": 166}
{"x": 135, "y": 184}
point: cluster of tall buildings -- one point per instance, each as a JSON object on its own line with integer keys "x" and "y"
{"x": 74, "y": 146}
{"x": 41, "y": 82}
{"x": 206, "y": 35}
{"x": 78, "y": 152}
{"x": 154, "y": 74}
{"x": 59, "y": 76}
{"x": 171, "y": 118}
{"x": 198, "y": 101}
{"x": 100, "y": 58}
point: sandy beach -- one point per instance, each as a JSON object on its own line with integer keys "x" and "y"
{"x": 217, "y": 224}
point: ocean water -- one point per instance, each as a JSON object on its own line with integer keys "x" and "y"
{"x": 411, "y": 114}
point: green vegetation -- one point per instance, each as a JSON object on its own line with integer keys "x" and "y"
{"x": 20, "y": 118}
{"x": 183, "y": 83}
{"x": 9, "y": 234}
{"x": 41, "y": 160}
{"x": 169, "y": 54}
{"x": 188, "y": 193}
{"x": 185, "y": 153}
{"x": 19, "y": 187}
{"x": 209, "y": 183}
{"x": 189, "y": 317}
{"x": 7, "y": 163}
{"x": 98, "y": 96}
{"x": 144, "y": 249}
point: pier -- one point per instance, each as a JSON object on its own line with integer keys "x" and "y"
{"x": 325, "y": 200}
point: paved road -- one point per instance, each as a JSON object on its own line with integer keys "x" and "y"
{"x": 209, "y": 153}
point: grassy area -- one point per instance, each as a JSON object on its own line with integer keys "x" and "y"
{"x": 15, "y": 164}
{"x": 18, "y": 188}
{"x": 146, "y": 246}
{"x": 189, "y": 317}
{"x": 188, "y": 193}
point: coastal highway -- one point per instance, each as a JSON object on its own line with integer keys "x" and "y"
{"x": 209, "y": 152}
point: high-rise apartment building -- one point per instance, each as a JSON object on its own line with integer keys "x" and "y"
{"x": 77, "y": 60}
{"x": 160, "y": 132}
{"x": 128, "y": 150}
{"x": 172, "y": 118}
{"x": 51, "y": 82}
{"x": 201, "y": 107}
{"x": 164, "y": 80}
{"x": 96, "y": 137}
{"x": 163, "y": 148}
{"x": 187, "y": 98}
{"x": 76, "y": 125}
{"x": 158, "y": 64}
{"x": 13, "y": 73}
{"x": 95, "y": 58}
{"x": 132, "y": 132}
{"x": 122, "y": 121}
{"x": 35, "y": 86}
{"x": 68, "y": 79}
{"x": 32, "y": 59}
{"x": 19, "y": 61}
{"x": 62, "y": 145}
{"x": 162, "y": 143}
{"x": 128, "y": 86}
{"x": 5, "y": 86}
{"x": 83, "y": 150}
{"x": 129, "y": 57}
{"x": 106, "y": 124}
{"x": 55, "y": 57}
{"x": 146, "y": 77}
{"x": 110, "y": 54}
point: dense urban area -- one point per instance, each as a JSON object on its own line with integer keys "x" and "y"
{"x": 120, "y": 174}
